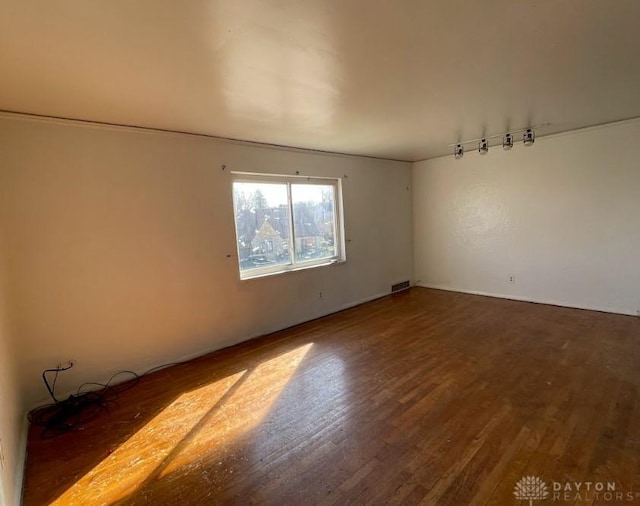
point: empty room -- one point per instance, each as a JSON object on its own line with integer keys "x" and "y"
{"x": 306, "y": 252}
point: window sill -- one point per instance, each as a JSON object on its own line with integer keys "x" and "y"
{"x": 294, "y": 269}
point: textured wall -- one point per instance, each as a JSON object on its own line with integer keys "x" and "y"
{"x": 560, "y": 216}
{"x": 12, "y": 419}
{"x": 118, "y": 240}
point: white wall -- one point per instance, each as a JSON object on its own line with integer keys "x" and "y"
{"x": 562, "y": 216}
{"x": 117, "y": 244}
{"x": 12, "y": 418}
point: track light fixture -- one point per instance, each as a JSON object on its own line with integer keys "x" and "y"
{"x": 528, "y": 138}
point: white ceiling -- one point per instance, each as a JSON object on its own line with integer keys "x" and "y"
{"x": 397, "y": 79}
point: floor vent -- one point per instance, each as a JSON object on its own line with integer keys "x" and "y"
{"x": 400, "y": 286}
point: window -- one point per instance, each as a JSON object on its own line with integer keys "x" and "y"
{"x": 286, "y": 223}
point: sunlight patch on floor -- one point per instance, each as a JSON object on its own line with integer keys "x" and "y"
{"x": 245, "y": 408}
{"x": 131, "y": 463}
{"x": 190, "y": 428}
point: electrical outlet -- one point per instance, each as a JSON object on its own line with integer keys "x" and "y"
{"x": 320, "y": 296}
{"x": 512, "y": 279}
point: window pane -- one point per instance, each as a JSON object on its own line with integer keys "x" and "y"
{"x": 313, "y": 221}
{"x": 262, "y": 224}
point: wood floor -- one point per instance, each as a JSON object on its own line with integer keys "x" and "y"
{"x": 423, "y": 397}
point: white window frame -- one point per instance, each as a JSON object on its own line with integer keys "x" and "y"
{"x": 295, "y": 265}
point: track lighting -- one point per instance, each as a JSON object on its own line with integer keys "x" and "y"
{"x": 529, "y": 137}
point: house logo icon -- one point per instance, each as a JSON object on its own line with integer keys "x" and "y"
{"x": 530, "y": 488}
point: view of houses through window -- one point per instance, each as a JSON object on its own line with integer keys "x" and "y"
{"x": 282, "y": 225}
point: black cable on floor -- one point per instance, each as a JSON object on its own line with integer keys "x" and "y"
{"x": 67, "y": 415}
{"x": 71, "y": 413}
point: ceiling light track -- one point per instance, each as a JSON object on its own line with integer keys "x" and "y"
{"x": 495, "y": 136}
{"x": 528, "y": 138}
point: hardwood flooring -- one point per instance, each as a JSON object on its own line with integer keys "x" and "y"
{"x": 424, "y": 397}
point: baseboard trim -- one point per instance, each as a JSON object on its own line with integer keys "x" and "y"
{"x": 525, "y": 299}
{"x": 227, "y": 344}
{"x": 349, "y": 305}
{"x": 295, "y": 323}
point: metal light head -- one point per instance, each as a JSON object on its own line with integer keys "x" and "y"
{"x": 507, "y": 142}
{"x": 529, "y": 137}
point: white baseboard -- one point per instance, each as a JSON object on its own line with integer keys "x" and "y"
{"x": 525, "y": 299}
{"x": 218, "y": 347}
{"x": 361, "y": 301}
